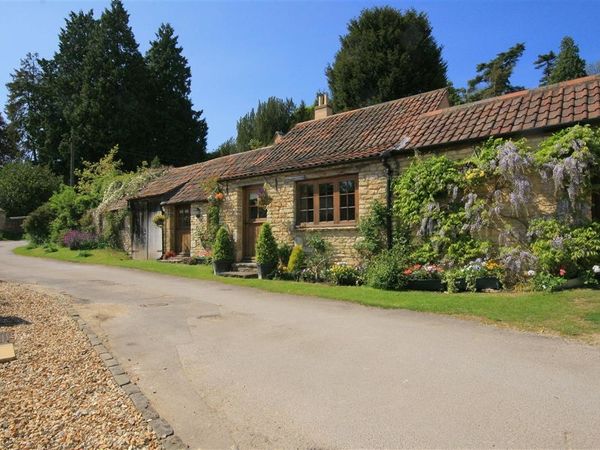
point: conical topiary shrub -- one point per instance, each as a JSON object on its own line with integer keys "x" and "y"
{"x": 266, "y": 252}
{"x": 222, "y": 251}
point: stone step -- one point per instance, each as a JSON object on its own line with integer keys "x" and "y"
{"x": 244, "y": 267}
{"x": 240, "y": 274}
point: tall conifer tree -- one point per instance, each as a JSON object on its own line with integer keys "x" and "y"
{"x": 569, "y": 64}
{"x": 178, "y": 131}
{"x": 112, "y": 108}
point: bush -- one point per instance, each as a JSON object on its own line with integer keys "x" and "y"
{"x": 266, "y": 246}
{"x": 69, "y": 207}
{"x": 80, "y": 240}
{"x": 545, "y": 281}
{"x": 385, "y": 271}
{"x": 37, "y": 224}
{"x": 24, "y": 187}
{"x": 223, "y": 246}
{"x": 284, "y": 251}
{"x": 296, "y": 262}
{"x": 319, "y": 258}
{"x": 344, "y": 275}
{"x": 373, "y": 232}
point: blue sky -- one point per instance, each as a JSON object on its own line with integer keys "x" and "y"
{"x": 241, "y": 52}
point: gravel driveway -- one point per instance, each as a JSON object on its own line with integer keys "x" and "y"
{"x": 58, "y": 394}
{"x": 231, "y": 367}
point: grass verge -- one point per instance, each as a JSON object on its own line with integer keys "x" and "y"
{"x": 571, "y": 313}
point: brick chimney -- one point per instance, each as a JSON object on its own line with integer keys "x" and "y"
{"x": 323, "y": 108}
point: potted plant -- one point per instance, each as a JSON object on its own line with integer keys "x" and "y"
{"x": 159, "y": 219}
{"x": 266, "y": 252}
{"x": 222, "y": 252}
{"x": 427, "y": 277}
{"x": 483, "y": 275}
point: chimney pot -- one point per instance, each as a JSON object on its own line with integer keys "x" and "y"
{"x": 323, "y": 109}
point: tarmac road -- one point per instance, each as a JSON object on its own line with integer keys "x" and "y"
{"x": 238, "y": 367}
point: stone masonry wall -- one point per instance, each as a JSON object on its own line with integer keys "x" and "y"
{"x": 371, "y": 186}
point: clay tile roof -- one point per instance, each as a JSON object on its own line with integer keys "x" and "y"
{"x": 424, "y": 119}
{"x": 560, "y": 104}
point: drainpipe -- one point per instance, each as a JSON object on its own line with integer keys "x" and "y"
{"x": 385, "y": 160}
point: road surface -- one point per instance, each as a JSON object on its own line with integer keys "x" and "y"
{"x": 237, "y": 367}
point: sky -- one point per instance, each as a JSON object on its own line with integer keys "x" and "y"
{"x": 242, "y": 52}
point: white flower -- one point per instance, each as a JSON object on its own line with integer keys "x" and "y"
{"x": 530, "y": 273}
{"x": 596, "y": 268}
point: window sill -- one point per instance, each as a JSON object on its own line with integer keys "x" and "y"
{"x": 326, "y": 227}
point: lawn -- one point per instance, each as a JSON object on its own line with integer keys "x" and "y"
{"x": 571, "y": 313}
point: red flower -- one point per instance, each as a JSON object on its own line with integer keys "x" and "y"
{"x": 407, "y": 272}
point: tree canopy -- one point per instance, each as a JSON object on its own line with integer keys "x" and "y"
{"x": 257, "y": 127}
{"x": 98, "y": 91}
{"x": 495, "y": 75}
{"x": 386, "y": 54}
{"x": 178, "y": 131}
{"x": 568, "y": 64}
{"x": 24, "y": 186}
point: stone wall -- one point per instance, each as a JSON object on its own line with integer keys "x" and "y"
{"x": 281, "y": 211}
{"x": 371, "y": 186}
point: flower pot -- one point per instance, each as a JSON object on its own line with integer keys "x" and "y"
{"x": 221, "y": 266}
{"x": 426, "y": 285}
{"x": 265, "y": 270}
{"x": 460, "y": 285}
{"x": 487, "y": 283}
{"x": 572, "y": 283}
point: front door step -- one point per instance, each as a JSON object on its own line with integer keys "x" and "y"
{"x": 240, "y": 274}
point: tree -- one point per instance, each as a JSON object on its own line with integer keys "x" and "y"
{"x": 593, "y": 68}
{"x": 546, "y": 63}
{"x": 229, "y": 147}
{"x": 8, "y": 149}
{"x": 385, "y": 55}
{"x": 64, "y": 77}
{"x": 24, "y": 106}
{"x": 178, "y": 131}
{"x": 25, "y": 186}
{"x": 495, "y": 75}
{"x": 569, "y": 64}
{"x": 112, "y": 108}
{"x": 257, "y": 128}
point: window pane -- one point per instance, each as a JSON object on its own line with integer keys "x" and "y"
{"x": 262, "y": 213}
{"x": 326, "y": 202}
{"x": 347, "y": 200}
{"x": 306, "y": 203}
{"x": 253, "y": 212}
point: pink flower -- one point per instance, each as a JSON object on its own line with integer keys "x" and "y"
{"x": 562, "y": 272}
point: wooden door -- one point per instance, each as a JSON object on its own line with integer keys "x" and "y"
{"x": 254, "y": 217}
{"x": 182, "y": 229}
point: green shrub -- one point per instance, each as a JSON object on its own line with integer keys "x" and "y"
{"x": 223, "y": 246}
{"x": 37, "y": 224}
{"x": 50, "y": 247}
{"x": 344, "y": 275}
{"x": 296, "y": 262}
{"x": 385, "y": 271}
{"x": 372, "y": 230}
{"x": 25, "y": 186}
{"x": 69, "y": 207}
{"x": 284, "y": 251}
{"x": 545, "y": 281}
{"x": 319, "y": 257}
{"x": 266, "y": 246}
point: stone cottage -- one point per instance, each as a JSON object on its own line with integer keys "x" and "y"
{"x": 324, "y": 174}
